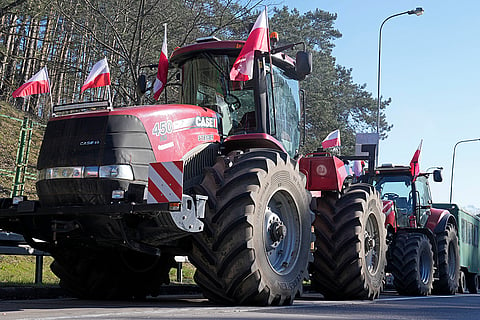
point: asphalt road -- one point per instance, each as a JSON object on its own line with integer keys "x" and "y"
{"x": 389, "y": 306}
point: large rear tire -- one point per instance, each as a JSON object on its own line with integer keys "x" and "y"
{"x": 448, "y": 262}
{"x": 111, "y": 275}
{"x": 412, "y": 264}
{"x": 350, "y": 246}
{"x": 256, "y": 241}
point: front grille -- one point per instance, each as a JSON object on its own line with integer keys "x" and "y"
{"x": 92, "y": 142}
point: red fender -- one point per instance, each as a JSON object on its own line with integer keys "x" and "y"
{"x": 436, "y": 216}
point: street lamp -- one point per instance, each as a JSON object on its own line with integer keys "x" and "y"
{"x": 418, "y": 12}
{"x": 453, "y": 162}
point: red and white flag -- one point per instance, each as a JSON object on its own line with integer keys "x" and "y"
{"x": 39, "y": 83}
{"x": 332, "y": 140}
{"x": 242, "y": 69}
{"x": 162, "y": 72}
{"x": 99, "y": 76}
{"x": 415, "y": 162}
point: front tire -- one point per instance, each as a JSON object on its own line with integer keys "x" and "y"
{"x": 350, "y": 246}
{"x": 255, "y": 246}
{"x": 412, "y": 264}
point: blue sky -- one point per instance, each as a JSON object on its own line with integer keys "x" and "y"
{"x": 430, "y": 66}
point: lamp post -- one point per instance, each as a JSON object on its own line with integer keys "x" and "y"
{"x": 453, "y": 162}
{"x": 418, "y": 12}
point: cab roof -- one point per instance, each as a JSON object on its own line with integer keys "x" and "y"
{"x": 396, "y": 169}
{"x": 229, "y": 47}
{"x": 210, "y": 44}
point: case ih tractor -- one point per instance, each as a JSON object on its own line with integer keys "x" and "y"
{"x": 423, "y": 250}
{"x": 223, "y": 186}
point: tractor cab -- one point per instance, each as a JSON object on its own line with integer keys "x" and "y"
{"x": 253, "y": 112}
{"x": 408, "y": 197}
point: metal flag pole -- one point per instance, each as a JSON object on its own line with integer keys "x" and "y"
{"x": 271, "y": 71}
{"x": 109, "y": 91}
{"x": 49, "y": 88}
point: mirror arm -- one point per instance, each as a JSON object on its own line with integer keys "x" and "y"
{"x": 288, "y": 46}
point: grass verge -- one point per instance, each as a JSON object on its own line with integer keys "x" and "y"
{"x": 20, "y": 271}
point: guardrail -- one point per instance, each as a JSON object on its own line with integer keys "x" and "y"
{"x": 15, "y": 244}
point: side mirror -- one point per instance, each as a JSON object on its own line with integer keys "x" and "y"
{"x": 303, "y": 65}
{"x": 437, "y": 176}
{"x": 141, "y": 84}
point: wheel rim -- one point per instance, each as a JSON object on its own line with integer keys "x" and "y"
{"x": 372, "y": 244}
{"x": 282, "y": 234}
{"x": 452, "y": 261}
{"x": 425, "y": 267}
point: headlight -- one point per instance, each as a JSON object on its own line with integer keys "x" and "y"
{"x": 121, "y": 171}
{"x": 118, "y": 171}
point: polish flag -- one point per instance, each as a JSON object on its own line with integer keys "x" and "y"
{"x": 332, "y": 140}
{"x": 162, "y": 72}
{"x": 415, "y": 162}
{"x": 242, "y": 69}
{"x": 39, "y": 83}
{"x": 99, "y": 76}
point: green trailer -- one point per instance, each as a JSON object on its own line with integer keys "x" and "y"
{"x": 468, "y": 226}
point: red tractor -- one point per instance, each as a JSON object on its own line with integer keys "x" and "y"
{"x": 122, "y": 190}
{"x": 350, "y": 243}
{"x": 423, "y": 252}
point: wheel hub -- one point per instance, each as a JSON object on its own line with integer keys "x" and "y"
{"x": 369, "y": 243}
{"x": 278, "y": 231}
{"x": 281, "y": 232}
{"x": 372, "y": 244}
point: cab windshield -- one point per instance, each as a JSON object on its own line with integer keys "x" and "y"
{"x": 206, "y": 83}
{"x": 397, "y": 188}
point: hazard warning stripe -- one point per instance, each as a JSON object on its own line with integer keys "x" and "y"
{"x": 154, "y": 194}
{"x": 165, "y": 182}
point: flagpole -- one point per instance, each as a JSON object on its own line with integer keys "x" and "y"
{"x": 271, "y": 70}
{"x": 110, "y": 98}
{"x": 110, "y": 101}
{"x": 49, "y": 88}
{"x": 165, "y": 85}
